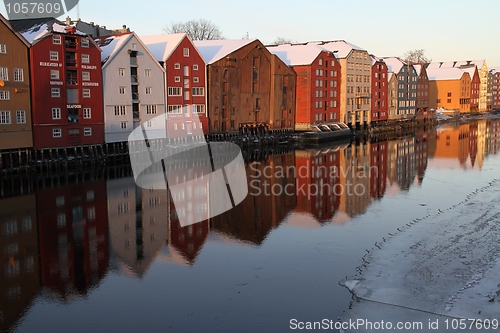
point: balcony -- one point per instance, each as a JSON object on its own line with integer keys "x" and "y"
{"x": 133, "y": 61}
{"x": 72, "y": 80}
{"x": 134, "y": 79}
{"x": 135, "y": 96}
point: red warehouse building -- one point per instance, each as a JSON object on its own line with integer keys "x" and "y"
{"x": 379, "y": 91}
{"x": 318, "y": 83}
{"x": 66, "y": 85}
{"x": 422, "y": 93}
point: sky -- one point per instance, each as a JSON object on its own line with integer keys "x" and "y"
{"x": 447, "y": 30}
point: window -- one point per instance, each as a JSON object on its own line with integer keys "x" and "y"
{"x": 186, "y": 52}
{"x": 123, "y": 124}
{"x": 120, "y": 110}
{"x": 87, "y": 131}
{"x": 148, "y": 90}
{"x": 86, "y": 93}
{"x": 147, "y": 73}
{"x": 56, "y": 39}
{"x": 56, "y": 113}
{"x": 186, "y": 95}
{"x": 174, "y": 91}
{"x": 21, "y": 116}
{"x": 85, "y": 42}
{"x": 195, "y": 67}
{"x": 4, "y": 74}
{"x": 18, "y": 74}
{"x": 87, "y": 113}
{"x": 121, "y": 71}
{"x": 3, "y": 48}
{"x": 199, "y": 108}
{"x": 54, "y": 56}
{"x": 198, "y": 91}
{"x": 196, "y": 79}
{"x": 121, "y": 90}
{"x": 150, "y": 109}
{"x": 56, "y": 133}
{"x": 175, "y": 109}
{"x": 86, "y": 76}
{"x": 85, "y": 58}
{"x": 177, "y": 66}
{"x": 5, "y": 117}
{"x": 54, "y": 74}
{"x": 177, "y": 79}
{"x": 448, "y": 100}
{"x": 186, "y": 70}
{"x": 4, "y": 95}
{"x": 56, "y": 92}
{"x": 449, "y": 94}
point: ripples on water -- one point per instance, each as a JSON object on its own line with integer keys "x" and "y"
{"x": 92, "y": 252}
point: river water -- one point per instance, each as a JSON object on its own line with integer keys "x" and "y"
{"x": 94, "y": 253}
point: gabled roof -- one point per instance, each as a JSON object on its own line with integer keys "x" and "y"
{"x": 418, "y": 68}
{"x": 214, "y": 50}
{"x": 14, "y": 30}
{"x": 162, "y": 46}
{"x": 375, "y": 59}
{"x": 394, "y": 64}
{"x": 297, "y": 54}
{"x": 456, "y": 64}
{"x": 341, "y": 47}
{"x": 450, "y": 73}
{"x": 470, "y": 69}
{"x": 35, "y": 30}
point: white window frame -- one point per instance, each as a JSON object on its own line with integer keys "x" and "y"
{"x": 151, "y": 109}
{"x": 87, "y": 113}
{"x": 195, "y": 67}
{"x": 87, "y": 131}
{"x": 149, "y": 90}
{"x": 56, "y": 113}
{"x": 174, "y": 91}
{"x": 147, "y": 73}
{"x": 177, "y": 79}
{"x": 85, "y": 42}
{"x": 57, "y": 133}
{"x": 4, "y": 95}
{"x": 21, "y": 116}
{"x": 198, "y": 91}
{"x": 55, "y": 92}
{"x": 121, "y": 71}
{"x": 5, "y": 117}
{"x": 123, "y": 125}
{"x": 85, "y": 76}
{"x": 198, "y": 108}
{"x": 120, "y": 110}
{"x": 3, "y": 48}
{"x": 56, "y": 39}
{"x": 54, "y": 74}
{"x": 85, "y": 58}
{"x": 196, "y": 79}
{"x": 4, "y": 73}
{"x": 177, "y": 66}
{"x": 122, "y": 90}
{"x": 86, "y": 93}
{"x": 186, "y": 52}
{"x": 54, "y": 56}
{"x": 174, "y": 109}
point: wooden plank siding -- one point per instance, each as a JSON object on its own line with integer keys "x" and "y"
{"x": 15, "y": 133}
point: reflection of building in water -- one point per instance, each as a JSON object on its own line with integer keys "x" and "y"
{"x": 452, "y": 142}
{"x": 421, "y": 155}
{"x": 401, "y": 166}
{"x": 19, "y": 278}
{"x": 318, "y": 182}
{"x": 272, "y": 195}
{"x": 378, "y": 167}
{"x": 493, "y": 137}
{"x": 137, "y": 224}
{"x": 355, "y": 178}
{"x": 481, "y": 143}
{"x": 73, "y": 236}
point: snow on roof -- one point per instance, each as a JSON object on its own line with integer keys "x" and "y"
{"x": 40, "y": 31}
{"x": 341, "y": 47}
{"x": 297, "y": 54}
{"x": 162, "y": 46}
{"x": 394, "y": 64}
{"x": 111, "y": 44}
{"x": 434, "y": 65}
{"x": 214, "y": 50}
{"x": 374, "y": 59}
{"x": 14, "y": 30}
{"x": 450, "y": 73}
{"x": 471, "y": 70}
{"x": 389, "y": 76}
{"x": 418, "y": 68}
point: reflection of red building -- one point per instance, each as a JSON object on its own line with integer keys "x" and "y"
{"x": 421, "y": 157}
{"x": 189, "y": 240}
{"x": 19, "y": 275}
{"x": 378, "y": 168}
{"x": 73, "y": 234}
{"x": 379, "y": 90}
{"x": 318, "y": 171}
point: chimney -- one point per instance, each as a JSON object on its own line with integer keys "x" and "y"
{"x": 68, "y": 20}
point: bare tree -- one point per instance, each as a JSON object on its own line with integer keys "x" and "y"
{"x": 281, "y": 41}
{"x": 417, "y": 56}
{"x": 200, "y": 29}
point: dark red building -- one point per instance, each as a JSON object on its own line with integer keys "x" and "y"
{"x": 318, "y": 83}
{"x": 73, "y": 237}
{"x": 378, "y": 169}
{"x": 422, "y": 92}
{"x": 66, "y": 85}
{"x": 379, "y": 91}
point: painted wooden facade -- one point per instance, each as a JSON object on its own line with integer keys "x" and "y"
{"x": 422, "y": 103}
{"x": 407, "y": 87}
{"x": 379, "y": 91}
{"x": 243, "y": 94}
{"x": 355, "y": 92}
{"x": 449, "y": 88}
{"x": 133, "y": 88}
{"x": 186, "y": 89}
{"x": 67, "y": 87}
{"x": 15, "y": 104}
{"x": 392, "y": 96}
{"x": 318, "y": 83}
{"x": 496, "y": 90}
